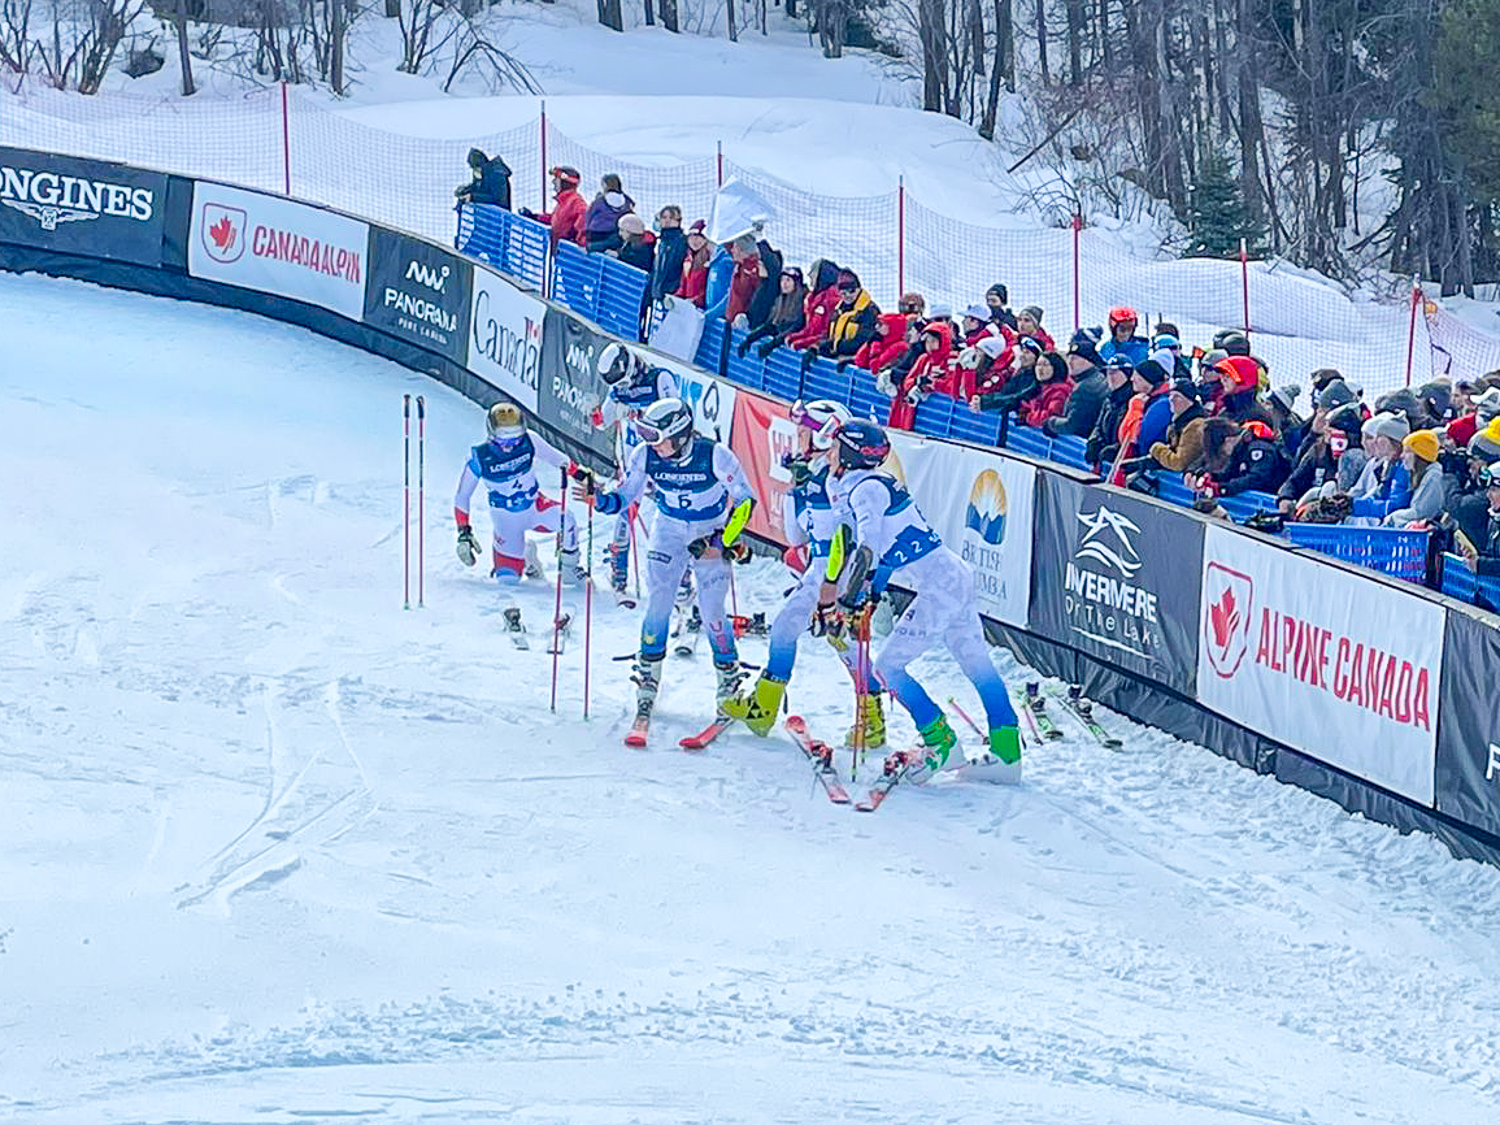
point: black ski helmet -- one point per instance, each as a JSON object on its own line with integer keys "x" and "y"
{"x": 861, "y": 445}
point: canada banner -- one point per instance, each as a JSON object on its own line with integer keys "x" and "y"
{"x": 505, "y": 338}
{"x": 761, "y": 435}
{"x": 273, "y": 245}
{"x": 1342, "y": 668}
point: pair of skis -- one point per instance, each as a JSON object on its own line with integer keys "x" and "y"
{"x": 820, "y": 754}
{"x": 1033, "y": 705}
{"x": 635, "y": 738}
{"x": 515, "y": 629}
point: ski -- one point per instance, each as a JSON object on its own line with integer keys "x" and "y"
{"x": 515, "y": 628}
{"x": 881, "y": 790}
{"x": 563, "y": 627}
{"x": 820, "y": 754}
{"x": 1083, "y": 710}
{"x": 701, "y": 740}
{"x": 636, "y": 736}
{"x": 1036, "y": 703}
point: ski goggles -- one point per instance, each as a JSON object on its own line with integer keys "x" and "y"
{"x": 651, "y": 433}
{"x": 823, "y": 429}
{"x": 1489, "y": 476}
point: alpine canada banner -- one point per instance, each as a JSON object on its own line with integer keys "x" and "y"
{"x": 981, "y": 504}
{"x": 762, "y": 436}
{"x": 273, "y": 245}
{"x": 1468, "y": 747}
{"x": 570, "y": 389}
{"x": 1342, "y": 668}
{"x": 1117, "y": 577}
{"x": 505, "y": 343}
{"x": 420, "y": 293}
{"x": 77, "y": 206}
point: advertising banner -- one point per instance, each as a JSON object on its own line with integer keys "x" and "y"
{"x": 570, "y": 389}
{"x": 712, "y": 399}
{"x": 1468, "y": 747}
{"x": 273, "y": 245}
{"x": 420, "y": 293}
{"x": 762, "y": 436}
{"x": 505, "y": 343}
{"x": 76, "y": 206}
{"x": 1345, "y": 669}
{"x": 981, "y": 504}
{"x": 1118, "y": 578}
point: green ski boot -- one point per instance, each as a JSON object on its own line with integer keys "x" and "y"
{"x": 938, "y": 741}
{"x": 758, "y": 710}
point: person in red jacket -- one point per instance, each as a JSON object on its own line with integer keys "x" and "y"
{"x": 1029, "y": 323}
{"x": 1054, "y": 385}
{"x": 695, "y": 266}
{"x": 991, "y": 361}
{"x": 922, "y": 379}
{"x": 746, "y": 277}
{"x": 567, "y": 217}
{"x": 822, "y": 304}
{"x": 889, "y": 344}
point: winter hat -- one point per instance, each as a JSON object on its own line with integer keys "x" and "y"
{"x": 1085, "y": 342}
{"x": 793, "y": 272}
{"x": 992, "y": 346}
{"x": 1052, "y": 365}
{"x": 913, "y": 303}
{"x": 698, "y": 227}
{"x": 1423, "y": 443}
{"x": 1164, "y": 342}
{"x": 1243, "y": 370}
{"x": 940, "y": 311}
{"x": 1392, "y": 426}
{"x": 1033, "y": 311}
{"x": 1167, "y": 359}
{"x": 980, "y": 313}
{"x": 1401, "y": 402}
{"x": 1187, "y": 389}
{"x": 1120, "y": 362}
{"x": 848, "y": 279}
{"x": 1233, "y": 341}
{"x": 1285, "y": 397}
{"x": 477, "y": 158}
{"x": 1334, "y": 394}
{"x": 998, "y": 290}
{"x": 1030, "y": 344}
{"x": 1347, "y": 418}
{"x": 569, "y": 175}
{"x": 1323, "y": 376}
{"x": 1212, "y": 359}
{"x": 632, "y": 224}
{"x": 1487, "y": 405}
{"x": 1152, "y": 371}
{"x": 1486, "y": 443}
{"x": 1437, "y": 396}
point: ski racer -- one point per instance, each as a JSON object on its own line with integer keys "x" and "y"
{"x": 506, "y": 465}
{"x": 882, "y": 534}
{"x": 703, "y": 503}
{"x": 633, "y": 386}
{"x": 810, "y": 522}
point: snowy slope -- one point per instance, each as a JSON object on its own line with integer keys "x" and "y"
{"x": 273, "y": 849}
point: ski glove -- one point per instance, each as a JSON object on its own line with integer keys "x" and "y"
{"x": 737, "y": 552}
{"x": 828, "y": 621}
{"x": 468, "y": 546}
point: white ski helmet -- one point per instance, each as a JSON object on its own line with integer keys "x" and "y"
{"x": 824, "y": 417}
{"x": 669, "y": 420}
{"x": 618, "y": 363}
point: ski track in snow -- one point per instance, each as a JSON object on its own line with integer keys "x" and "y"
{"x": 273, "y": 849}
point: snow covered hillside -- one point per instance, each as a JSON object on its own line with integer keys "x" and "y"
{"x": 273, "y": 849}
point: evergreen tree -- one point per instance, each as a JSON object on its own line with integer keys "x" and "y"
{"x": 1217, "y": 215}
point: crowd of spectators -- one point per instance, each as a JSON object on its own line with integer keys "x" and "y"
{"x": 1144, "y": 404}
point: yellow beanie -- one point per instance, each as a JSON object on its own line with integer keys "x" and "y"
{"x": 1423, "y": 443}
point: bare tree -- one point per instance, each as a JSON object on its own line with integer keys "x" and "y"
{"x": 83, "y": 40}
{"x": 611, "y": 15}
{"x": 184, "y": 55}
{"x": 668, "y": 11}
{"x": 15, "y": 35}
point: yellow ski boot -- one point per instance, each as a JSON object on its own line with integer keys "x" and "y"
{"x": 759, "y": 710}
{"x": 874, "y": 732}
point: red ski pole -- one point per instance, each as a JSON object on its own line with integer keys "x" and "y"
{"x": 588, "y": 611}
{"x": 406, "y": 503}
{"x": 562, "y": 523}
{"x": 421, "y": 502}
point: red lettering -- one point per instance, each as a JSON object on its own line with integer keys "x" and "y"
{"x": 1372, "y": 679}
{"x": 1388, "y": 688}
{"x": 1341, "y": 678}
{"x": 1419, "y": 711}
{"x": 1288, "y": 638}
{"x": 1324, "y": 636}
{"x": 1263, "y": 645}
{"x": 1403, "y": 693}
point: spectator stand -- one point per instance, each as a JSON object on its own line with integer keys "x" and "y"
{"x": 1458, "y": 581}
{"x": 513, "y": 245}
{"x": 605, "y": 290}
{"x": 1396, "y": 551}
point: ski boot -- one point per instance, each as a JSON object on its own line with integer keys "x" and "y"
{"x": 874, "y": 726}
{"x": 760, "y": 708}
{"x": 731, "y": 676}
{"x": 646, "y": 675}
{"x": 533, "y": 564}
{"x": 938, "y": 741}
{"x": 619, "y": 567}
{"x": 1002, "y": 764}
{"x": 572, "y": 573}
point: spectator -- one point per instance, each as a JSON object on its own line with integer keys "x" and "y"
{"x": 1029, "y": 323}
{"x": 1239, "y": 459}
{"x": 1236, "y": 343}
{"x": 1240, "y": 378}
{"x": 489, "y": 182}
{"x": 787, "y": 315}
{"x": 637, "y": 247}
{"x": 1436, "y": 401}
{"x": 721, "y": 266}
{"x": 1089, "y": 388}
{"x": 1286, "y": 421}
{"x": 977, "y": 325}
{"x": 912, "y": 304}
{"x": 1429, "y": 485}
{"x": 1467, "y": 502}
{"x": 1152, "y": 380}
{"x": 990, "y": 361}
{"x": 1330, "y": 453}
{"x": 694, "y": 285}
{"x": 1166, "y": 349}
{"x": 768, "y": 285}
{"x": 889, "y": 344}
{"x": 937, "y": 352}
{"x": 1485, "y": 406}
{"x": 671, "y": 252}
{"x": 1322, "y": 377}
{"x": 1016, "y": 387}
{"x": 997, "y": 297}
{"x": 1103, "y": 446}
{"x": 1053, "y": 388}
{"x": 1405, "y": 403}
{"x": 1122, "y": 338}
{"x": 566, "y": 219}
{"x": 1461, "y": 401}
{"x": 744, "y": 280}
{"x": 822, "y": 300}
{"x": 854, "y": 320}
{"x": 1382, "y": 436}
{"x": 1183, "y": 447}
{"x": 1482, "y": 550}
{"x": 602, "y": 223}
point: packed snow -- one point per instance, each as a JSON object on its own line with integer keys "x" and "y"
{"x": 273, "y": 848}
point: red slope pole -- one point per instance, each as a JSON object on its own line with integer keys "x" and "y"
{"x": 543, "y": 204}
{"x": 562, "y": 523}
{"x": 900, "y": 237}
{"x": 720, "y": 149}
{"x": 1245, "y": 282}
{"x": 1411, "y": 329}
{"x": 286, "y": 144}
{"x": 1077, "y": 301}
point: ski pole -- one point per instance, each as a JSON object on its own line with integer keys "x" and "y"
{"x": 964, "y": 715}
{"x": 562, "y": 523}
{"x": 588, "y": 612}
{"x": 406, "y": 503}
{"x": 634, "y": 560}
{"x": 421, "y": 502}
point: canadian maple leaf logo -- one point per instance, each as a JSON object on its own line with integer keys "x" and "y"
{"x": 1227, "y": 599}
{"x": 223, "y": 232}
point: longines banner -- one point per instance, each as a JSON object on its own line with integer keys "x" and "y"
{"x": 981, "y": 504}
{"x": 570, "y": 389}
{"x": 1118, "y": 578}
{"x": 71, "y": 205}
{"x": 1468, "y": 748}
{"x": 1343, "y": 668}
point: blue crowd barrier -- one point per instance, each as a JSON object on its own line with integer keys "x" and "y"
{"x": 1399, "y": 552}
{"x": 605, "y": 290}
{"x": 512, "y": 244}
{"x": 1069, "y": 450}
{"x": 1458, "y": 581}
{"x": 977, "y": 427}
{"x": 783, "y": 371}
{"x": 866, "y": 399}
{"x": 823, "y": 379}
{"x": 710, "y": 354}
{"x": 1030, "y": 442}
{"x": 935, "y": 416}
{"x": 747, "y": 370}
{"x": 1247, "y": 504}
